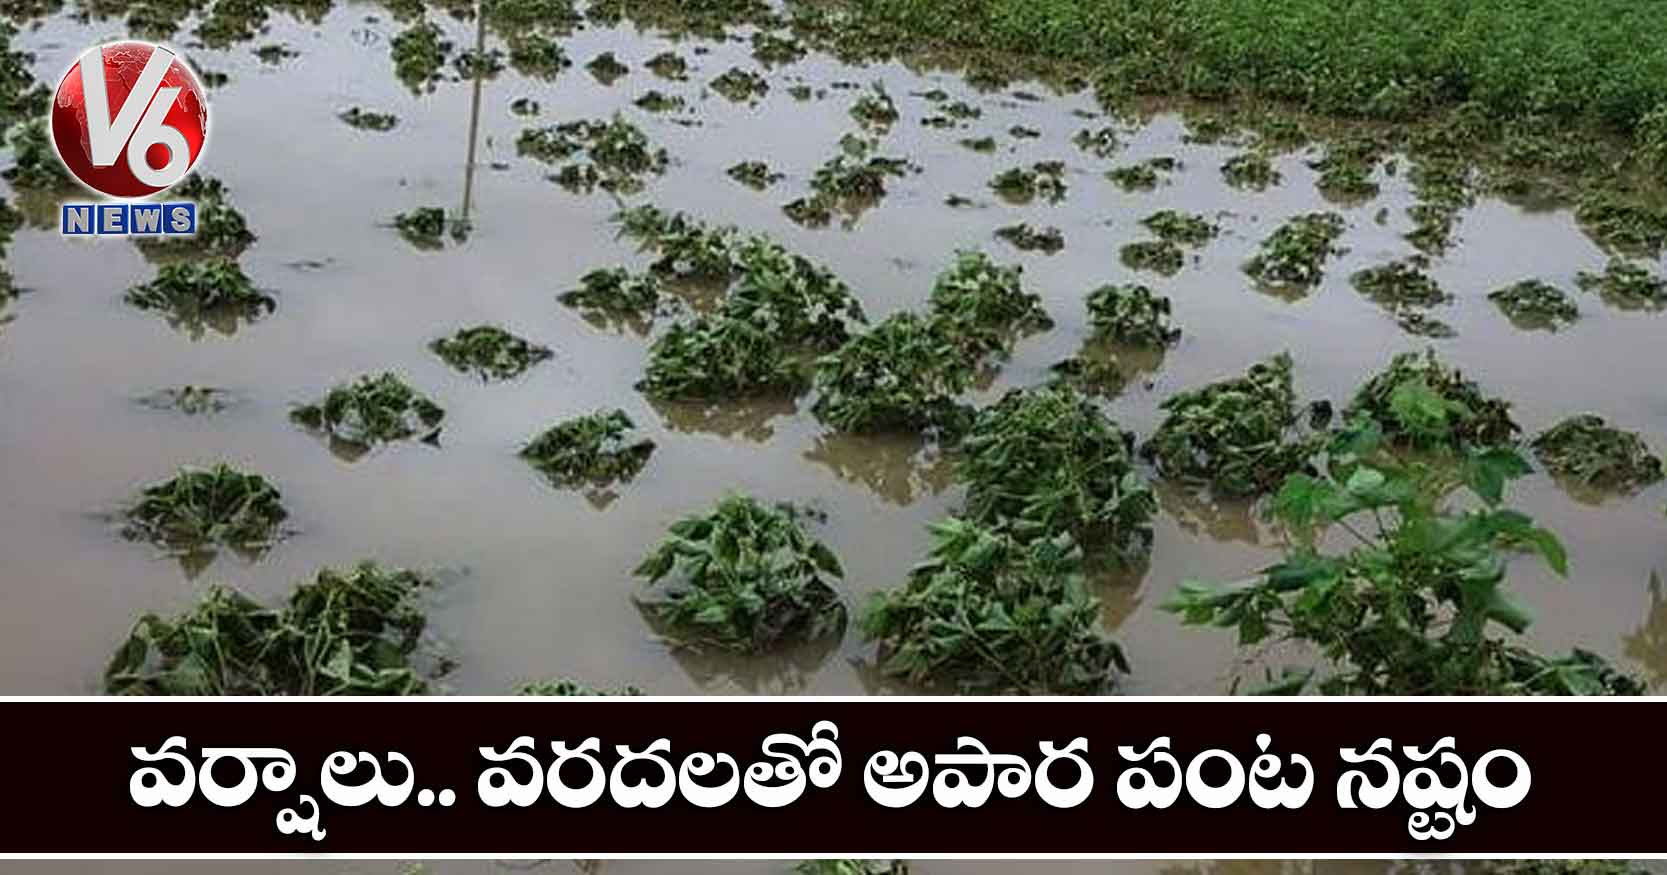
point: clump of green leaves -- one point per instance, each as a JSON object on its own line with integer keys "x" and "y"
{"x": 372, "y": 410}
{"x": 1584, "y": 449}
{"x": 1399, "y": 284}
{"x": 668, "y": 65}
{"x": 1023, "y": 236}
{"x": 1101, "y": 142}
{"x": 1178, "y": 227}
{"x": 991, "y": 614}
{"x": 550, "y": 143}
{"x": 615, "y": 293}
{"x": 35, "y": 164}
{"x": 1422, "y": 402}
{"x": 738, "y": 85}
{"x": 207, "y": 292}
{"x": 655, "y": 100}
{"x": 368, "y": 120}
{"x": 597, "y": 450}
{"x": 1044, "y": 179}
{"x": 687, "y": 247}
{"x": 537, "y": 56}
{"x": 979, "y": 144}
{"x": 567, "y": 687}
{"x": 199, "y": 508}
{"x": 1346, "y": 169}
{"x": 1142, "y": 176}
{"x": 1407, "y": 607}
{"x": 773, "y": 49}
{"x": 1620, "y": 222}
{"x": 348, "y": 633}
{"x": 1296, "y": 252}
{"x": 607, "y": 69}
{"x": 1160, "y": 256}
{"x": 744, "y": 577}
{"x": 753, "y": 174}
{"x": 427, "y": 227}
{"x": 1250, "y": 170}
{"x": 875, "y": 109}
{"x": 221, "y": 229}
{"x": 851, "y": 867}
{"x": 419, "y": 54}
{"x": 799, "y": 303}
{"x": 490, "y": 352}
{"x": 1535, "y": 304}
{"x": 1044, "y": 461}
{"x": 1131, "y": 315}
{"x": 718, "y": 358}
{"x": 853, "y": 181}
{"x": 902, "y": 375}
{"x": 189, "y": 400}
{"x": 1626, "y": 285}
{"x": 980, "y": 304}
{"x": 619, "y": 155}
{"x": 1238, "y": 435}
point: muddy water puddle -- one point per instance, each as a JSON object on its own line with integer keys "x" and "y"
{"x": 539, "y": 581}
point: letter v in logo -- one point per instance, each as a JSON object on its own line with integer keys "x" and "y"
{"x": 159, "y": 122}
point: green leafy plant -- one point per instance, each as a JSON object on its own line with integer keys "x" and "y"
{"x": 655, "y": 100}
{"x": 1250, "y": 170}
{"x": 740, "y": 86}
{"x": 851, "y": 867}
{"x": 1024, "y": 237}
{"x": 1144, "y": 175}
{"x": 35, "y": 164}
{"x": 744, "y": 577}
{"x": 797, "y": 302}
{"x": 901, "y": 375}
{"x": 1178, "y": 227}
{"x": 606, "y": 68}
{"x": 199, "y": 508}
{"x": 1044, "y": 179}
{"x": 1407, "y": 605}
{"x": 980, "y": 304}
{"x": 427, "y": 227}
{"x": 1238, "y": 435}
{"x": 1131, "y": 315}
{"x": 350, "y": 633}
{"x": 668, "y": 65}
{"x": 1619, "y": 222}
{"x": 372, "y": 410}
{"x": 1626, "y": 285}
{"x": 1399, "y": 284}
{"x": 1158, "y": 256}
{"x": 1046, "y": 460}
{"x": 1534, "y": 304}
{"x": 618, "y": 154}
{"x": 719, "y": 358}
{"x": 773, "y": 49}
{"x": 1346, "y": 169}
{"x": 1296, "y": 252}
{"x": 419, "y": 54}
{"x": 208, "y": 292}
{"x": 1584, "y": 449}
{"x": 875, "y": 109}
{"x": 489, "y": 352}
{"x": 599, "y": 450}
{"x": 753, "y": 174}
{"x": 1100, "y": 142}
{"x": 615, "y": 293}
{"x": 989, "y": 614}
{"x": 1422, "y": 402}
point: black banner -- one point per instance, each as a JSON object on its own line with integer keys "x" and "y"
{"x": 805, "y": 777}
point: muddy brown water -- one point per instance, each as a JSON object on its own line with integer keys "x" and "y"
{"x": 542, "y": 585}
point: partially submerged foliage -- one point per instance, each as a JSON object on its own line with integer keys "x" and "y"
{"x": 1251, "y": 170}
{"x": 35, "y": 164}
{"x": 489, "y": 352}
{"x": 1406, "y": 608}
{"x": 1535, "y": 304}
{"x": 618, "y": 154}
{"x": 718, "y": 358}
{"x": 1100, "y": 142}
{"x": 372, "y": 410}
{"x": 1131, "y": 315}
{"x": 902, "y": 375}
{"x": 221, "y": 229}
{"x": 1023, "y": 236}
{"x": 351, "y": 633}
{"x": 1044, "y": 179}
{"x": 875, "y": 109}
{"x": 739, "y": 85}
{"x": 606, "y": 68}
{"x": 753, "y": 174}
{"x": 199, "y": 508}
{"x": 368, "y": 120}
{"x": 1399, "y": 284}
{"x": 419, "y": 55}
{"x": 615, "y": 293}
{"x": 427, "y": 227}
{"x": 1626, "y": 285}
{"x": 1420, "y": 401}
{"x": 596, "y": 450}
{"x": 1144, "y": 175}
{"x": 1044, "y": 461}
{"x": 980, "y": 304}
{"x": 208, "y": 292}
{"x": 1585, "y": 450}
{"x": 1622, "y": 223}
{"x": 744, "y": 577}
{"x": 989, "y": 614}
{"x": 1346, "y": 169}
{"x": 1159, "y": 256}
{"x": 1238, "y": 435}
{"x": 189, "y": 400}
{"x": 1296, "y": 252}
{"x": 668, "y": 65}
{"x": 1178, "y": 227}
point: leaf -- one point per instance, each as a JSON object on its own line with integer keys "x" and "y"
{"x": 1487, "y": 471}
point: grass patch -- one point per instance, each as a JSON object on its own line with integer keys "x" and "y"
{"x": 989, "y": 614}
{"x": 598, "y": 450}
{"x": 1534, "y": 304}
{"x": 199, "y": 508}
{"x": 194, "y": 295}
{"x": 489, "y": 352}
{"x": 1422, "y": 402}
{"x": 373, "y": 410}
{"x": 744, "y": 577}
{"x": 351, "y": 633}
{"x": 1296, "y": 252}
{"x": 1585, "y": 450}
{"x": 1131, "y": 315}
{"x": 1238, "y": 436}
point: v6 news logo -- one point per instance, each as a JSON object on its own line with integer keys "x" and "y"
{"x": 128, "y": 121}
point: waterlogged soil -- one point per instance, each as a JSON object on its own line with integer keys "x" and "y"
{"x": 538, "y": 581}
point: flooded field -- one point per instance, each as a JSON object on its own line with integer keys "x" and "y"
{"x": 538, "y": 580}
